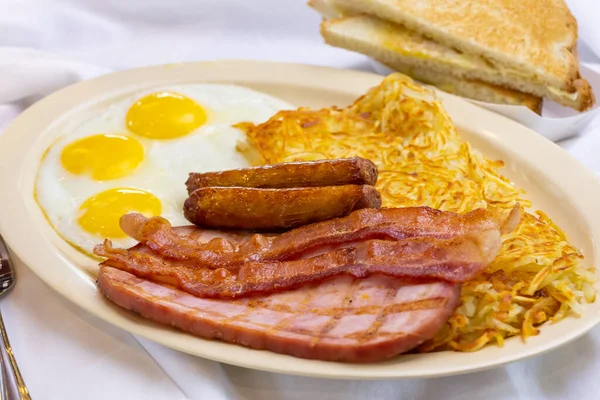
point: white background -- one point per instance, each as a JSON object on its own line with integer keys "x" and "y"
{"x": 66, "y": 354}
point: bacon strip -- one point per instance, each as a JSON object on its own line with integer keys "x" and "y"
{"x": 423, "y": 258}
{"x": 385, "y": 224}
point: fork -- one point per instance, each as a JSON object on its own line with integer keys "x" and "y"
{"x": 7, "y": 281}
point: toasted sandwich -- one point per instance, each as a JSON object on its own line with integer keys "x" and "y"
{"x": 450, "y": 69}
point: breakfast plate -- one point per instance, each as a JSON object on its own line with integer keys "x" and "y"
{"x": 553, "y": 180}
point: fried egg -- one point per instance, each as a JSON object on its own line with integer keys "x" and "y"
{"x": 135, "y": 154}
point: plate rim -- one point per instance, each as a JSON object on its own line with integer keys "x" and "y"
{"x": 329, "y": 78}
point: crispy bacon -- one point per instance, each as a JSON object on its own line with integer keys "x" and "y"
{"x": 421, "y": 258}
{"x": 217, "y": 249}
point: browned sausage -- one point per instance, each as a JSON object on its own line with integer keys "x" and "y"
{"x": 254, "y": 208}
{"x": 345, "y": 171}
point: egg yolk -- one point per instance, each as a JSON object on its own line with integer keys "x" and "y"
{"x": 100, "y": 214}
{"x": 103, "y": 157}
{"x": 164, "y": 115}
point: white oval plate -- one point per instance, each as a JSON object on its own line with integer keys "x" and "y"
{"x": 555, "y": 182}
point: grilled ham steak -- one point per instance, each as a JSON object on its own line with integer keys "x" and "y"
{"x": 343, "y": 319}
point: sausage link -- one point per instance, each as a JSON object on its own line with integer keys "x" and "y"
{"x": 345, "y": 171}
{"x": 272, "y": 209}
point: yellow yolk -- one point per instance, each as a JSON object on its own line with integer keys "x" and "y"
{"x": 103, "y": 157}
{"x": 100, "y": 214}
{"x": 164, "y": 115}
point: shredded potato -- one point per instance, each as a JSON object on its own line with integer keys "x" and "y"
{"x": 538, "y": 276}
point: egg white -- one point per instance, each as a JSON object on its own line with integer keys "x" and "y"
{"x": 166, "y": 163}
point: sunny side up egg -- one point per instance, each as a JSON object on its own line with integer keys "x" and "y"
{"x": 135, "y": 155}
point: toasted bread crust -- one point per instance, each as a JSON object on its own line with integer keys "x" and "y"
{"x": 530, "y": 35}
{"x": 469, "y": 88}
{"x": 400, "y": 49}
{"x": 586, "y": 95}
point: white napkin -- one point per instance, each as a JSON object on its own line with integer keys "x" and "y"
{"x": 29, "y": 73}
{"x": 49, "y": 44}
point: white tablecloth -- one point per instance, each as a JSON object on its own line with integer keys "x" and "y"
{"x": 67, "y": 354}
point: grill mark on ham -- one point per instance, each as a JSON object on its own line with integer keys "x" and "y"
{"x": 302, "y": 308}
{"x": 219, "y": 249}
{"x": 337, "y": 314}
{"x": 393, "y": 308}
{"x": 386, "y": 316}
